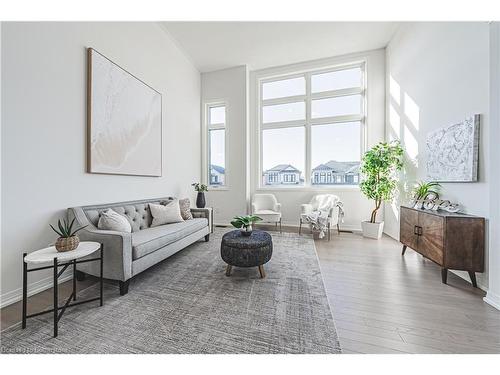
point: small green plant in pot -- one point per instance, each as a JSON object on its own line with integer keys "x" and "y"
{"x": 424, "y": 190}
{"x": 379, "y": 181}
{"x": 68, "y": 240}
{"x": 244, "y": 223}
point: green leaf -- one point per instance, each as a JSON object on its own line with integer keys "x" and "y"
{"x": 54, "y": 229}
{"x": 77, "y": 230}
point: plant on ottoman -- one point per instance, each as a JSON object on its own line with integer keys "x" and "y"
{"x": 379, "y": 184}
{"x": 244, "y": 223}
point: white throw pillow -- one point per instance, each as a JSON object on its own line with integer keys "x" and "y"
{"x": 112, "y": 220}
{"x": 171, "y": 213}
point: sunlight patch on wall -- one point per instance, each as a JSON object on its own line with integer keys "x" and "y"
{"x": 410, "y": 144}
{"x": 395, "y": 122}
{"x": 412, "y": 111}
{"x": 395, "y": 90}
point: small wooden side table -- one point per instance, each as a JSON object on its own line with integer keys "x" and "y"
{"x": 64, "y": 260}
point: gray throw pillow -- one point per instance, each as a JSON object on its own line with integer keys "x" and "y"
{"x": 185, "y": 206}
{"x": 112, "y": 220}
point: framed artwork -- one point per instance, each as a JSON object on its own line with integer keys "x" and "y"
{"x": 453, "y": 152}
{"x": 124, "y": 121}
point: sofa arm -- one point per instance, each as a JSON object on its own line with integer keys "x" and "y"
{"x": 206, "y": 213}
{"x": 117, "y": 249}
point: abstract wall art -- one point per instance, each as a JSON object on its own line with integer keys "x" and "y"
{"x": 453, "y": 152}
{"x": 124, "y": 121}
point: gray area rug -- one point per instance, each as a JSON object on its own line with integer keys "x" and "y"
{"x": 186, "y": 304}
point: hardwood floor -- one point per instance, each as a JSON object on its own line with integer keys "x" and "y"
{"x": 382, "y": 302}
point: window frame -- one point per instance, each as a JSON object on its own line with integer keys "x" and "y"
{"x": 308, "y": 122}
{"x": 207, "y": 127}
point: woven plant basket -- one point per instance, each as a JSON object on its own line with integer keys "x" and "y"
{"x": 67, "y": 243}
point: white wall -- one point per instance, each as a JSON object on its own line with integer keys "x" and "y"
{"x": 437, "y": 74}
{"x": 229, "y": 86}
{"x": 357, "y": 207}
{"x": 493, "y": 296}
{"x": 44, "y": 128}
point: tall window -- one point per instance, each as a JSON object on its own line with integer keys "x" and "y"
{"x": 311, "y": 127}
{"x": 216, "y": 142}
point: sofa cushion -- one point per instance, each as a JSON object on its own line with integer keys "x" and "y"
{"x": 149, "y": 240}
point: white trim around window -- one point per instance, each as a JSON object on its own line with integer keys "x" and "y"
{"x": 209, "y": 125}
{"x": 308, "y": 122}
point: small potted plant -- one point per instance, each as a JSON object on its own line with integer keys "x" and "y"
{"x": 244, "y": 223}
{"x": 68, "y": 240}
{"x": 379, "y": 181}
{"x": 200, "y": 198}
{"x": 424, "y": 190}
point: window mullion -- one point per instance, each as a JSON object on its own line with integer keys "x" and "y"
{"x": 307, "y": 172}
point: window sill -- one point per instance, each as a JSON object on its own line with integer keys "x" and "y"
{"x": 325, "y": 189}
{"x": 222, "y": 188}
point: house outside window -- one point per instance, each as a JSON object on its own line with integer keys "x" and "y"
{"x": 312, "y": 122}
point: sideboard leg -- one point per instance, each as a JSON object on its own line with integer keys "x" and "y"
{"x": 404, "y": 250}
{"x": 473, "y": 278}
{"x": 444, "y": 275}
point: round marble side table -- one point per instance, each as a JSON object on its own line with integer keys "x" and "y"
{"x": 64, "y": 260}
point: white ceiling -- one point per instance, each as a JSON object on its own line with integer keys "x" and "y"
{"x": 220, "y": 45}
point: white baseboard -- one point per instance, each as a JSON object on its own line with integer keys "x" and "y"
{"x": 34, "y": 288}
{"x": 493, "y": 300}
{"x": 352, "y": 228}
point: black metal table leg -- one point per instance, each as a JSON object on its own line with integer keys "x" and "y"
{"x": 74, "y": 280}
{"x": 25, "y": 289}
{"x": 56, "y": 302}
{"x": 101, "y": 279}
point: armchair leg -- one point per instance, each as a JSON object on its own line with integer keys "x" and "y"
{"x": 338, "y": 229}
{"x": 328, "y": 231}
{"x": 280, "y": 226}
{"x": 300, "y": 226}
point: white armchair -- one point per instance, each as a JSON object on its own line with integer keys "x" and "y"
{"x": 318, "y": 201}
{"x": 266, "y": 206}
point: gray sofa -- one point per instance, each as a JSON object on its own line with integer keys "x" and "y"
{"x": 128, "y": 254}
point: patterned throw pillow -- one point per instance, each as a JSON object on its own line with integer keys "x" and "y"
{"x": 185, "y": 205}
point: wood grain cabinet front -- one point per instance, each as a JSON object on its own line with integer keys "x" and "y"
{"x": 451, "y": 240}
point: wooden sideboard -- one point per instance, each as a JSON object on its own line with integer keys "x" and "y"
{"x": 452, "y": 240}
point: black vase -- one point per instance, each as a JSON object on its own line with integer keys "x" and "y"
{"x": 200, "y": 200}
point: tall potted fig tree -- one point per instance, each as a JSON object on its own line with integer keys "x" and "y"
{"x": 379, "y": 167}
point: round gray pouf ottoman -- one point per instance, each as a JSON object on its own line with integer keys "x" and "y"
{"x": 246, "y": 251}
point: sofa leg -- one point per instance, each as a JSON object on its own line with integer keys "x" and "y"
{"x": 207, "y": 237}
{"x": 124, "y": 287}
{"x": 80, "y": 276}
